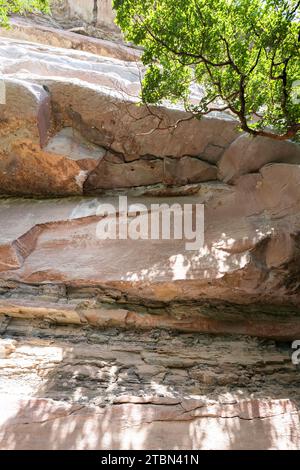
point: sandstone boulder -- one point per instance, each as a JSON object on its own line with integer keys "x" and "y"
{"x": 188, "y": 170}
{"x": 117, "y": 175}
{"x": 74, "y": 10}
{"x": 25, "y": 168}
{"x": 112, "y": 173}
{"x": 248, "y": 263}
{"x": 275, "y": 189}
{"x": 145, "y": 340}
{"x": 27, "y": 30}
{"x": 118, "y": 124}
{"x": 28, "y": 170}
{"x": 25, "y": 110}
{"x": 248, "y": 154}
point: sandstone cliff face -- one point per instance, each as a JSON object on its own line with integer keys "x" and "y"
{"x": 145, "y": 313}
{"x": 95, "y": 17}
{"x": 67, "y": 388}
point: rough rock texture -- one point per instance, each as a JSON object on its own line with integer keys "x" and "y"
{"x": 54, "y": 265}
{"x": 111, "y": 174}
{"x": 90, "y": 11}
{"x": 29, "y": 103}
{"x": 88, "y": 102}
{"x": 70, "y": 126}
{"x": 51, "y": 33}
{"x": 94, "y": 96}
{"x": 68, "y": 388}
{"x": 120, "y": 344}
{"x": 95, "y": 16}
{"x": 248, "y": 154}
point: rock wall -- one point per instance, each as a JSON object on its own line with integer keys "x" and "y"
{"x": 70, "y": 127}
{"x": 67, "y": 388}
{"x": 80, "y": 111}
{"x": 138, "y": 344}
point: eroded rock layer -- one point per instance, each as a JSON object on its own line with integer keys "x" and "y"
{"x": 54, "y": 263}
{"x": 75, "y": 388}
{"x": 70, "y": 126}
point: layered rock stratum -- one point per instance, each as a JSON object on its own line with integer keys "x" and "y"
{"x": 117, "y": 339}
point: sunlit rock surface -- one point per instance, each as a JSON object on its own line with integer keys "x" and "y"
{"x": 246, "y": 270}
{"x": 50, "y": 33}
{"x": 248, "y": 154}
{"x": 74, "y": 388}
{"x": 98, "y": 13}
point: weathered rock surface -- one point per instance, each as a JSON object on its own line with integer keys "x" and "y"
{"x": 88, "y": 102}
{"x": 112, "y": 174}
{"x": 26, "y": 105}
{"x": 80, "y": 132}
{"x": 74, "y": 99}
{"x": 97, "y": 13}
{"x": 247, "y": 155}
{"x": 244, "y": 277}
{"x": 68, "y": 388}
{"x": 99, "y": 338}
{"x": 53, "y": 35}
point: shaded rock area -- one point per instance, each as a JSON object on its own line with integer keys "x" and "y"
{"x": 138, "y": 343}
{"x": 113, "y": 390}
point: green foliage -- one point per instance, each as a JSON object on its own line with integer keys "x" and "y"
{"x": 8, "y": 7}
{"x": 245, "y": 52}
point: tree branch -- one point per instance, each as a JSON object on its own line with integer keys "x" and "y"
{"x": 184, "y": 53}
